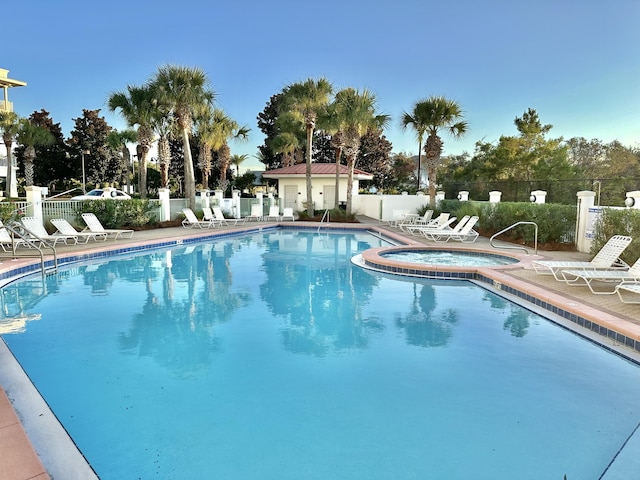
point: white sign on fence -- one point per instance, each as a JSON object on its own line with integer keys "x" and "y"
{"x": 592, "y": 218}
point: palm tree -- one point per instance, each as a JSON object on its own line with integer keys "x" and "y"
{"x": 31, "y": 136}
{"x": 306, "y": 100}
{"x": 355, "y": 115}
{"x": 164, "y": 126}
{"x": 184, "y": 91}
{"x": 118, "y": 141}
{"x": 237, "y": 160}
{"x": 226, "y": 129}
{"x": 205, "y": 131}
{"x": 290, "y": 139}
{"x": 10, "y": 126}
{"x": 418, "y": 120}
{"x": 436, "y": 114}
{"x": 333, "y": 126}
{"x": 137, "y": 107}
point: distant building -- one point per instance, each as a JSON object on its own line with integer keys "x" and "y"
{"x": 292, "y": 184}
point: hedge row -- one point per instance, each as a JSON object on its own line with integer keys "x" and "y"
{"x": 619, "y": 222}
{"x": 120, "y": 213}
{"x": 556, "y": 223}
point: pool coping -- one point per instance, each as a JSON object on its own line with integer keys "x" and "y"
{"x": 593, "y": 324}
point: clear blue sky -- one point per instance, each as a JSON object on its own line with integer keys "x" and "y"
{"x": 577, "y": 62}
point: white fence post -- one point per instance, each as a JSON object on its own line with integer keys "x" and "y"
{"x": 633, "y": 199}
{"x": 34, "y": 202}
{"x": 165, "y": 204}
{"x": 585, "y": 220}
{"x": 494, "y": 196}
{"x": 235, "y": 196}
{"x": 538, "y": 196}
{"x": 463, "y": 196}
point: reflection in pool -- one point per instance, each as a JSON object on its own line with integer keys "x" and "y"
{"x": 271, "y": 356}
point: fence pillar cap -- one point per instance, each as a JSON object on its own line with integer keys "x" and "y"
{"x": 586, "y": 193}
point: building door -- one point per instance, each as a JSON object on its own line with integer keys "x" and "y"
{"x": 291, "y": 197}
{"x": 328, "y": 197}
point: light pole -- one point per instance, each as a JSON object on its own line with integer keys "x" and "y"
{"x": 84, "y": 178}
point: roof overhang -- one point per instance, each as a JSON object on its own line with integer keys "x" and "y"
{"x": 5, "y": 81}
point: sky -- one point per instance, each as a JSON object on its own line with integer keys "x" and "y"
{"x": 576, "y": 62}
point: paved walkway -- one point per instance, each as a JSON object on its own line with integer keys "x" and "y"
{"x": 18, "y": 460}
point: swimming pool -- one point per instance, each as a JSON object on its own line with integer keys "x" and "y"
{"x": 272, "y": 356}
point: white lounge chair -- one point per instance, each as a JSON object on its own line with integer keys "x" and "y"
{"x": 274, "y": 214}
{"x": 413, "y": 228}
{"x": 462, "y": 232}
{"x": 424, "y": 219}
{"x": 588, "y": 277}
{"x": 94, "y": 226}
{"x": 442, "y": 222}
{"x": 7, "y": 243}
{"x": 287, "y": 212}
{"x": 218, "y": 216}
{"x": 608, "y": 258}
{"x": 256, "y": 213}
{"x": 63, "y": 227}
{"x": 633, "y": 288}
{"x": 209, "y": 215}
{"x": 191, "y": 221}
{"x": 37, "y": 231}
{"x": 396, "y": 217}
{"x": 415, "y": 219}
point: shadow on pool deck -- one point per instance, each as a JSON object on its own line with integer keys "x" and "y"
{"x": 18, "y": 460}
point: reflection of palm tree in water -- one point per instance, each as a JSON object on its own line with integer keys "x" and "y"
{"x": 517, "y": 322}
{"x": 420, "y": 326}
{"x": 178, "y": 332}
{"x": 316, "y": 293}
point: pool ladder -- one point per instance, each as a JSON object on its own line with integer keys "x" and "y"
{"x": 514, "y": 247}
{"x": 325, "y": 215}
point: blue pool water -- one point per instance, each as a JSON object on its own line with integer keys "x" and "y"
{"x": 273, "y": 357}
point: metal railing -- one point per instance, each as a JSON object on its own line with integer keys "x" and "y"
{"x": 513, "y": 246}
{"x": 325, "y": 215}
{"x": 33, "y": 242}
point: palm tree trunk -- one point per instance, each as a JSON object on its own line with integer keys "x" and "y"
{"x": 189, "y": 176}
{"x": 126, "y": 159}
{"x": 337, "y": 195}
{"x": 29, "y": 156}
{"x": 351, "y": 160}
{"x": 310, "y": 211}
{"x": 164, "y": 153}
{"x": 432, "y": 187}
{"x": 8, "y": 141}
{"x": 142, "y": 170}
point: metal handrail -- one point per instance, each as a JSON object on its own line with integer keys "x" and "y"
{"x": 325, "y": 215}
{"x": 33, "y": 241}
{"x": 517, "y": 248}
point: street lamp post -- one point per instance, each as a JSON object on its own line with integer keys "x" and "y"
{"x": 84, "y": 178}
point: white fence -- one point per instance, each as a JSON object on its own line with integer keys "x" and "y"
{"x": 381, "y": 207}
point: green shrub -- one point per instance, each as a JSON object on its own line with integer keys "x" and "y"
{"x": 556, "y": 223}
{"x": 618, "y": 222}
{"x": 120, "y": 213}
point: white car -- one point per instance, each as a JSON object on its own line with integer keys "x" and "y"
{"x": 103, "y": 194}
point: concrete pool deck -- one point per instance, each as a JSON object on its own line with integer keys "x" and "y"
{"x": 18, "y": 457}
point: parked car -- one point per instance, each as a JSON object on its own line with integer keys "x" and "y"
{"x": 103, "y": 194}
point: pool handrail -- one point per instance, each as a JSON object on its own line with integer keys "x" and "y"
{"x": 535, "y": 244}
{"x": 16, "y": 229}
